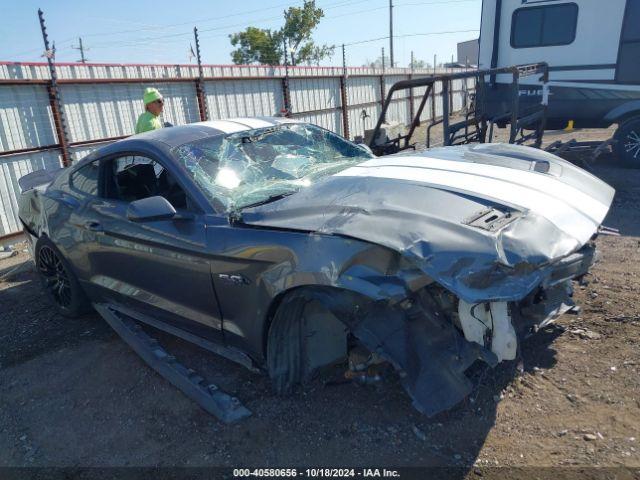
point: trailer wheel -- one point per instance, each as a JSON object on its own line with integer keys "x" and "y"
{"x": 627, "y": 147}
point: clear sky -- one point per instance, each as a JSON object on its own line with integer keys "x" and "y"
{"x": 160, "y": 31}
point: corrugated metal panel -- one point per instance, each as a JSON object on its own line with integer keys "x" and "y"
{"x": 329, "y": 120}
{"x": 97, "y": 70}
{"x": 314, "y": 94}
{"x": 363, "y": 90}
{"x": 243, "y": 98}
{"x": 111, "y": 110}
{"x": 25, "y": 117}
{"x": 363, "y": 98}
{"x": 11, "y": 169}
{"x": 79, "y": 153}
{"x": 390, "y": 80}
{"x": 358, "y": 124}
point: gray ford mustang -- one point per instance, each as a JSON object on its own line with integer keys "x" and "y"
{"x": 289, "y": 247}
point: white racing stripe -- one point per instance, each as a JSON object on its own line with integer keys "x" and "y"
{"x": 566, "y": 217}
{"x": 253, "y": 122}
{"x": 541, "y": 182}
{"x": 226, "y": 126}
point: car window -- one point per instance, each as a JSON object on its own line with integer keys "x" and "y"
{"x": 255, "y": 166}
{"x": 543, "y": 26}
{"x": 134, "y": 177}
{"x": 85, "y": 179}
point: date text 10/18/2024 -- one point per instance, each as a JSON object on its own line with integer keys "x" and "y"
{"x": 316, "y": 472}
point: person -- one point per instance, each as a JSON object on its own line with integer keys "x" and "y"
{"x": 153, "y": 104}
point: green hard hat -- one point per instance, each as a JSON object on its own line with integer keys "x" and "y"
{"x": 151, "y": 95}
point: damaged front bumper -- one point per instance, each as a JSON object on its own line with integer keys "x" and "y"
{"x": 432, "y": 348}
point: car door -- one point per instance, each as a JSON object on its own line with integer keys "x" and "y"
{"x": 157, "y": 268}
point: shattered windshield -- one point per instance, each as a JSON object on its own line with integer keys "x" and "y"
{"x": 263, "y": 165}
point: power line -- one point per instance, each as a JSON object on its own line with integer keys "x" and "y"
{"x": 80, "y": 47}
{"x": 410, "y": 35}
{"x": 137, "y": 41}
{"x": 201, "y": 21}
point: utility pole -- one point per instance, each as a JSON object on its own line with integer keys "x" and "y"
{"x": 202, "y": 103}
{"x": 391, "y": 33}
{"x": 412, "y": 61}
{"x": 54, "y": 98}
{"x": 83, "y": 59}
{"x": 382, "y": 59}
{"x": 435, "y": 59}
{"x": 344, "y": 60}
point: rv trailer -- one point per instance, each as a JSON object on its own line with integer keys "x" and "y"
{"x": 592, "y": 48}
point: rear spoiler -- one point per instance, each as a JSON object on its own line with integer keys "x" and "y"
{"x": 38, "y": 178}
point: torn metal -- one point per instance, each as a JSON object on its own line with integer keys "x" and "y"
{"x": 431, "y": 261}
{"x": 426, "y": 207}
{"x": 501, "y": 234}
{"x": 220, "y": 404}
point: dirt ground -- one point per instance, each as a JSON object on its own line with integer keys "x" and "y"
{"x": 73, "y": 394}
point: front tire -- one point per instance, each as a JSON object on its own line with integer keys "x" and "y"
{"x": 59, "y": 281}
{"x": 627, "y": 147}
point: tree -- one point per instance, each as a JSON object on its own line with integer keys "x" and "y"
{"x": 419, "y": 64}
{"x": 377, "y": 63}
{"x": 257, "y": 45}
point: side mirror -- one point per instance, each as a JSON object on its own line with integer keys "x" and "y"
{"x": 365, "y": 147}
{"x": 150, "y": 209}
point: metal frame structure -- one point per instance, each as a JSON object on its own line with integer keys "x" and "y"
{"x": 198, "y": 81}
{"x": 477, "y": 125}
{"x": 351, "y": 90}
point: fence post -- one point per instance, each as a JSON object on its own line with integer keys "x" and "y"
{"x": 446, "y": 141}
{"x": 411, "y": 112}
{"x": 451, "y": 96}
{"x": 286, "y": 94}
{"x": 382, "y": 84}
{"x": 343, "y": 96}
{"x": 202, "y": 99}
{"x": 54, "y": 98}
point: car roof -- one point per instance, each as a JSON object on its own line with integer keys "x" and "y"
{"x": 179, "y": 135}
{"x": 167, "y": 138}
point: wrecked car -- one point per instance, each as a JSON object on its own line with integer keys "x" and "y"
{"x": 287, "y": 247}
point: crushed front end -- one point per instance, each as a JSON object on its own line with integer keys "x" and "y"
{"x": 432, "y": 336}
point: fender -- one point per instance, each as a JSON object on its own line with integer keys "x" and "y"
{"x": 628, "y": 109}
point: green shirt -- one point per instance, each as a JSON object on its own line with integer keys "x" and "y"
{"x": 147, "y": 121}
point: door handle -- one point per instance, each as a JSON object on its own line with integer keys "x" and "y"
{"x": 93, "y": 226}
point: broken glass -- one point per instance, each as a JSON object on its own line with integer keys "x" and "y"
{"x": 262, "y": 165}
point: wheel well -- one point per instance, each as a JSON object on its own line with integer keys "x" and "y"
{"x": 321, "y": 293}
{"x": 312, "y": 333}
{"x": 634, "y": 115}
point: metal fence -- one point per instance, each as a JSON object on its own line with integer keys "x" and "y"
{"x": 100, "y": 104}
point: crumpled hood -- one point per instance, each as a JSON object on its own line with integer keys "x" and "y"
{"x": 486, "y": 221}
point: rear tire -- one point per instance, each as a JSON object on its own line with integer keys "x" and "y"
{"x": 59, "y": 281}
{"x": 627, "y": 147}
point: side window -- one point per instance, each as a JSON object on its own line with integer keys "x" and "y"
{"x": 544, "y": 26}
{"x": 628, "y": 63}
{"x": 135, "y": 177}
{"x": 85, "y": 179}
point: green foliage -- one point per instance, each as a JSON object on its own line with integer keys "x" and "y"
{"x": 419, "y": 64}
{"x": 257, "y": 45}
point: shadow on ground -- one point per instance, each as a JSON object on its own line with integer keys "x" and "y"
{"x": 75, "y": 377}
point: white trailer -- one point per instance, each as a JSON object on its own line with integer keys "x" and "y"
{"x": 592, "y": 48}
